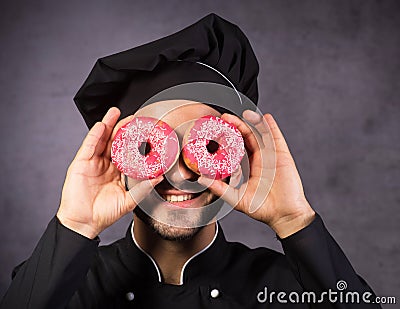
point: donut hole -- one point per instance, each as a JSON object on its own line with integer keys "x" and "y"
{"x": 144, "y": 148}
{"x": 212, "y": 146}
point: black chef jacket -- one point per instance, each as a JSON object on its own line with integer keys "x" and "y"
{"x": 67, "y": 270}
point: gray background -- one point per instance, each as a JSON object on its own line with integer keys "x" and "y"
{"x": 330, "y": 73}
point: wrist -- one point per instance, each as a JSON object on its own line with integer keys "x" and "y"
{"x": 81, "y": 228}
{"x": 288, "y": 225}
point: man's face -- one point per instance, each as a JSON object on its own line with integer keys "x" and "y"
{"x": 177, "y": 223}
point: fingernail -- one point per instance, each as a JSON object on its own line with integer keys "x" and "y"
{"x": 251, "y": 115}
{"x": 204, "y": 181}
{"x": 157, "y": 180}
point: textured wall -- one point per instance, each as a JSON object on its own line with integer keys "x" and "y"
{"x": 330, "y": 73}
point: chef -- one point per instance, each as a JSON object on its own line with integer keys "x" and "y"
{"x": 163, "y": 265}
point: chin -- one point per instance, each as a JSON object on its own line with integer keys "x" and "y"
{"x": 166, "y": 231}
{"x": 174, "y": 233}
{"x": 182, "y": 226}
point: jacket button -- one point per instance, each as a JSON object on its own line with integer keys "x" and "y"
{"x": 130, "y": 296}
{"x": 214, "y": 293}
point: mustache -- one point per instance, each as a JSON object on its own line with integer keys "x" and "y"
{"x": 186, "y": 186}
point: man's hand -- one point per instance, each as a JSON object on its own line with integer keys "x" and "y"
{"x": 94, "y": 195}
{"x": 285, "y": 209}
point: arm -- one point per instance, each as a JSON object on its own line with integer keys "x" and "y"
{"x": 93, "y": 198}
{"x": 314, "y": 257}
{"x": 320, "y": 265}
{"x": 52, "y": 274}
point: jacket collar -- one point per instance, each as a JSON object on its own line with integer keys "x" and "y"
{"x": 201, "y": 266}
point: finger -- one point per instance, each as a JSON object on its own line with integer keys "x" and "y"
{"x": 109, "y": 120}
{"x": 261, "y": 127}
{"x": 254, "y": 145}
{"x": 221, "y": 189}
{"x": 267, "y": 157}
{"x": 250, "y": 140}
{"x": 280, "y": 142}
{"x": 89, "y": 144}
{"x": 256, "y": 120}
{"x": 138, "y": 192}
{"x": 236, "y": 177}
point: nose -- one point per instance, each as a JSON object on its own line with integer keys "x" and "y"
{"x": 180, "y": 173}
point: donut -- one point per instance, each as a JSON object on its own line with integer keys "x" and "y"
{"x": 213, "y": 147}
{"x": 144, "y": 148}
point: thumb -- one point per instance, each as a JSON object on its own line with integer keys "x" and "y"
{"x": 219, "y": 188}
{"x": 139, "y": 191}
{"x": 91, "y": 142}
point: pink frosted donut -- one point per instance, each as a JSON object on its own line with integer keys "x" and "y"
{"x": 213, "y": 147}
{"x": 145, "y": 148}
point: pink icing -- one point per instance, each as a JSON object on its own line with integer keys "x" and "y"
{"x": 164, "y": 148}
{"x": 226, "y": 159}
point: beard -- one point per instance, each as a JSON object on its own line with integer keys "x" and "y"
{"x": 179, "y": 218}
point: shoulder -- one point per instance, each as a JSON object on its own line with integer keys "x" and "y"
{"x": 257, "y": 268}
{"x": 256, "y": 258}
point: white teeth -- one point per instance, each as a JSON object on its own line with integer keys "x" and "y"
{"x": 177, "y": 198}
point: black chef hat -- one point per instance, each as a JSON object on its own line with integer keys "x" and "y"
{"x": 129, "y": 78}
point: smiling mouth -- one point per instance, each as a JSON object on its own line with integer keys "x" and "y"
{"x": 180, "y": 198}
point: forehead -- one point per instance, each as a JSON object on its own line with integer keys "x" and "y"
{"x": 173, "y": 112}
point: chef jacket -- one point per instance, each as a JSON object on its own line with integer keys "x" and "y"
{"x": 68, "y": 270}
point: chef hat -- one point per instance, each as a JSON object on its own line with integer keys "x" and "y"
{"x": 129, "y": 78}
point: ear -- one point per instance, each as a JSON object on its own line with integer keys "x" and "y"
{"x": 236, "y": 177}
